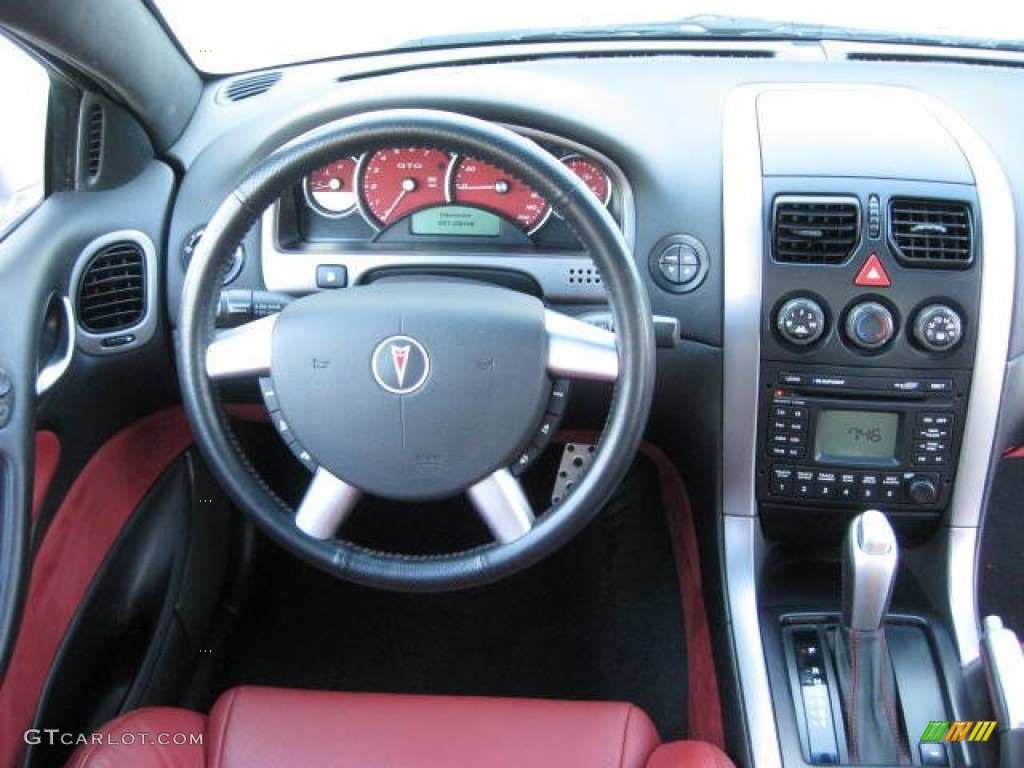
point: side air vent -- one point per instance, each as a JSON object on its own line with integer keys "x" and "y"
{"x": 94, "y": 141}
{"x": 814, "y": 230}
{"x": 931, "y": 233}
{"x": 112, "y": 294}
{"x": 247, "y": 87}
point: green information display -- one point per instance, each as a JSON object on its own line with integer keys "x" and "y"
{"x": 856, "y": 435}
{"x": 455, "y": 220}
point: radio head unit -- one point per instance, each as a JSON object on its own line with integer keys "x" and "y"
{"x": 859, "y": 437}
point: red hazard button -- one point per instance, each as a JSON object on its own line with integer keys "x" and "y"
{"x": 872, "y": 273}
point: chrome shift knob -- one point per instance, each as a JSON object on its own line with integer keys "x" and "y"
{"x": 870, "y": 556}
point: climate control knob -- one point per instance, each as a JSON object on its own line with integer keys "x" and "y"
{"x": 870, "y": 325}
{"x": 922, "y": 490}
{"x": 938, "y": 328}
{"x": 801, "y": 321}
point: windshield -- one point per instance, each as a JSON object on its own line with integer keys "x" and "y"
{"x": 225, "y": 37}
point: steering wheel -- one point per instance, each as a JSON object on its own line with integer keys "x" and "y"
{"x": 417, "y": 391}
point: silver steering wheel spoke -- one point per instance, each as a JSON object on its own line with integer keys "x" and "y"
{"x": 501, "y": 503}
{"x": 327, "y": 503}
{"x": 242, "y": 351}
{"x": 579, "y": 350}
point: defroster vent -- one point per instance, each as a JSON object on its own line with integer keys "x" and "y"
{"x": 247, "y": 87}
{"x": 814, "y": 230}
{"x": 931, "y": 233}
{"x": 112, "y": 290}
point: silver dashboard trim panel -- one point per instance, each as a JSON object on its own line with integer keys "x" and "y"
{"x": 742, "y": 223}
{"x": 995, "y": 318}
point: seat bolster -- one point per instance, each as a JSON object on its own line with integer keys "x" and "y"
{"x": 689, "y": 754}
{"x": 154, "y": 737}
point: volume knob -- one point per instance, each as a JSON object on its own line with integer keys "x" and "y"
{"x": 870, "y": 325}
{"x": 922, "y": 490}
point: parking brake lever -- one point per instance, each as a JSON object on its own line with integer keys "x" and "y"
{"x": 1004, "y": 670}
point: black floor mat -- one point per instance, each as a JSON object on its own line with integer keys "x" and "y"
{"x": 600, "y": 619}
{"x": 1002, "y": 548}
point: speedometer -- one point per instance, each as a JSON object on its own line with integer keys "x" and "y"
{"x": 331, "y": 190}
{"x": 482, "y": 184}
{"x": 397, "y": 181}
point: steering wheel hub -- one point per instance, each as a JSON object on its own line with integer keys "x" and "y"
{"x": 412, "y": 390}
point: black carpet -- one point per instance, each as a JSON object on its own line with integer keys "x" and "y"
{"x": 1002, "y": 548}
{"x": 601, "y": 619}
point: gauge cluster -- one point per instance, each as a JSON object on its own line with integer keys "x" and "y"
{"x": 414, "y": 195}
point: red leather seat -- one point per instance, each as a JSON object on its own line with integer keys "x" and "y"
{"x": 254, "y": 727}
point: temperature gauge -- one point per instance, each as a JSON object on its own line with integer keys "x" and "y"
{"x": 596, "y": 179}
{"x": 331, "y": 190}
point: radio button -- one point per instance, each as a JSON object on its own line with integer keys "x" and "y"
{"x": 935, "y": 419}
{"x": 798, "y": 426}
{"x": 804, "y": 484}
{"x": 931, "y": 446}
{"x": 800, "y": 414}
{"x": 780, "y": 439}
{"x": 781, "y": 425}
{"x": 869, "y": 487}
{"x": 794, "y": 452}
{"x": 778, "y": 451}
{"x": 931, "y": 433}
{"x": 892, "y": 485}
{"x": 782, "y": 481}
{"x": 782, "y": 412}
{"x": 789, "y": 379}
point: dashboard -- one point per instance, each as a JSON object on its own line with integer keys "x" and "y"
{"x": 832, "y": 228}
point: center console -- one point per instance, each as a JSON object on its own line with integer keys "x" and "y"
{"x": 868, "y": 280}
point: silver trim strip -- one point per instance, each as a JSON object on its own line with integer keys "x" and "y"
{"x": 501, "y": 503}
{"x": 55, "y": 369}
{"x": 579, "y": 350}
{"x": 742, "y": 224}
{"x": 92, "y": 343}
{"x": 1004, "y": 669}
{"x": 995, "y": 318}
{"x": 243, "y": 351}
{"x": 328, "y": 501}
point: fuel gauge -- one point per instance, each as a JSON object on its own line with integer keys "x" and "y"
{"x": 331, "y": 190}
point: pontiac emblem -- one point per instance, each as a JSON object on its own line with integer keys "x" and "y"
{"x": 400, "y": 365}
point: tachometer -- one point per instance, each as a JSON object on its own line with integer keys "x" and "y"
{"x": 331, "y": 190}
{"x": 596, "y": 179}
{"x": 394, "y": 182}
{"x": 482, "y": 184}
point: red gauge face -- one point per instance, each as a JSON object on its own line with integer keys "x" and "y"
{"x": 398, "y": 181}
{"x": 332, "y": 189}
{"x": 593, "y": 176}
{"x": 482, "y": 184}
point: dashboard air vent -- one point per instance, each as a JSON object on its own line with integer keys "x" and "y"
{"x": 931, "y": 233}
{"x": 112, "y": 290}
{"x": 814, "y": 230}
{"x": 247, "y": 87}
{"x": 93, "y": 141}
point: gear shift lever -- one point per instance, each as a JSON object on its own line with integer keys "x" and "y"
{"x": 866, "y": 679}
{"x": 869, "y": 570}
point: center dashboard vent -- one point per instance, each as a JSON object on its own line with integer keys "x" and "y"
{"x": 814, "y": 230}
{"x": 112, "y": 290}
{"x": 247, "y": 87}
{"x": 931, "y": 233}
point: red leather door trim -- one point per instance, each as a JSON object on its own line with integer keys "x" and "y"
{"x": 90, "y": 518}
{"x": 47, "y": 457}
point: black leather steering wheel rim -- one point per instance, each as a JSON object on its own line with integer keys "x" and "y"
{"x": 595, "y": 228}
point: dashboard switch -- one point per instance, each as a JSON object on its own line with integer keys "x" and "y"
{"x": 331, "y": 276}
{"x": 801, "y": 321}
{"x": 872, "y": 274}
{"x": 938, "y": 328}
{"x": 870, "y": 325}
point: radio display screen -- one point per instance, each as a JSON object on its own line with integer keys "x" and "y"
{"x": 868, "y": 436}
